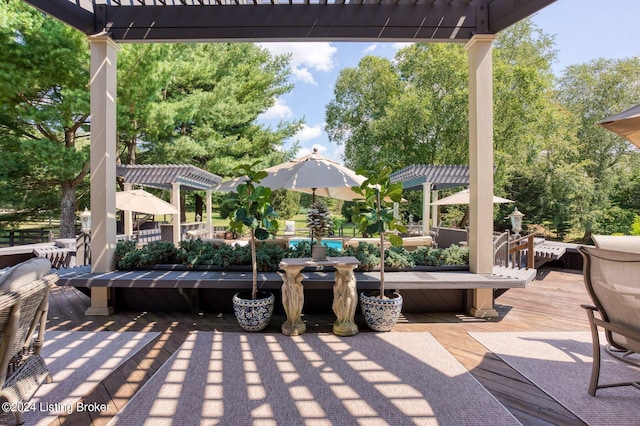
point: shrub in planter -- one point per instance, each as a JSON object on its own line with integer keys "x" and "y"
{"x": 159, "y": 252}
{"x": 127, "y": 255}
{"x": 367, "y": 253}
{"x": 269, "y": 256}
{"x": 398, "y": 258}
{"x": 196, "y": 252}
{"x": 428, "y": 256}
{"x": 302, "y": 249}
{"x": 456, "y": 255}
{"x": 224, "y": 256}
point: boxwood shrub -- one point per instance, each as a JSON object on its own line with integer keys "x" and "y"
{"x": 193, "y": 253}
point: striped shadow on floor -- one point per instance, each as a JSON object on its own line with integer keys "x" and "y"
{"x": 370, "y": 378}
{"x": 78, "y": 361}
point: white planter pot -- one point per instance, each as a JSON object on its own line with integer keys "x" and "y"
{"x": 253, "y": 314}
{"x": 380, "y": 314}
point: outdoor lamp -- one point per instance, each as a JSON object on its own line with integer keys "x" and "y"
{"x": 516, "y": 221}
{"x": 85, "y": 220}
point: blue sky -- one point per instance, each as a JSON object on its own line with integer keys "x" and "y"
{"x": 584, "y": 30}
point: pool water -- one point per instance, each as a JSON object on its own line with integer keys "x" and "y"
{"x": 334, "y": 244}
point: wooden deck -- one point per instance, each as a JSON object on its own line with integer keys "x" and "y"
{"x": 551, "y": 303}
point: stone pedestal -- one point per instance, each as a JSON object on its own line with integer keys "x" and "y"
{"x": 345, "y": 297}
{"x": 345, "y": 300}
{"x": 293, "y": 300}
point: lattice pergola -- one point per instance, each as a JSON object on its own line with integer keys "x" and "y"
{"x": 264, "y": 20}
{"x": 110, "y": 22}
{"x": 164, "y": 176}
{"x": 415, "y": 176}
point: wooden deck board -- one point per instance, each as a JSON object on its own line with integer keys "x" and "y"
{"x": 551, "y": 303}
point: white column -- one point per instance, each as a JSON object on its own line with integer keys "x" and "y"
{"x": 479, "y": 51}
{"x": 103, "y": 86}
{"x": 128, "y": 214}
{"x": 175, "y": 200}
{"x": 434, "y": 209}
{"x": 426, "y": 201}
{"x": 209, "y": 217}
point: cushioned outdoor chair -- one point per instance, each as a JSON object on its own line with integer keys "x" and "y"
{"x": 612, "y": 279}
{"x": 24, "y": 301}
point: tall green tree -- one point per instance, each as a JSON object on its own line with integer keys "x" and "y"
{"x": 44, "y": 70}
{"x": 206, "y": 98}
{"x": 177, "y": 103}
{"x": 415, "y": 109}
{"x": 592, "y": 92}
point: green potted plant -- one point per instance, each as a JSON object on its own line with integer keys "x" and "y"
{"x": 320, "y": 224}
{"x": 254, "y": 211}
{"x": 375, "y": 216}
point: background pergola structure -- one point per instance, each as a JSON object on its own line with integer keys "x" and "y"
{"x": 473, "y": 22}
{"x": 430, "y": 179}
{"x": 173, "y": 178}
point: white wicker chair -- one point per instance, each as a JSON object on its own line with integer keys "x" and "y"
{"x": 22, "y": 368}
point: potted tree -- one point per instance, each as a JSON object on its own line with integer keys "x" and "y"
{"x": 320, "y": 223}
{"x": 254, "y": 211}
{"x": 375, "y": 216}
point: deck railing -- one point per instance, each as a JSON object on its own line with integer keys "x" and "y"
{"x": 513, "y": 252}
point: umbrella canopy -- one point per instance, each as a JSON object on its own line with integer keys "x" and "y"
{"x": 625, "y": 124}
{"x": 141, "y": 201}
{"x": 313, "y": 174}
{"x": 464, "y": 197}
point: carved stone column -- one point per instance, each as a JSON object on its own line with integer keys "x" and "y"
{"x": 345, "y": 300}
{"x": 293, "y": 299}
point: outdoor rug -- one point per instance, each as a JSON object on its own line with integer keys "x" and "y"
{"x": 78, "y": 361}
{"x": 314, "y": 379}
{"x": 559, "y": 363}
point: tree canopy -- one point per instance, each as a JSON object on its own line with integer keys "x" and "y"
{"x": 177, "y": 103}
{"x": 549, "y": 154}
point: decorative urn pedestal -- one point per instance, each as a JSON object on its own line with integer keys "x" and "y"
{"x": 253, "y": 314}
{"x": 380, "y": 314}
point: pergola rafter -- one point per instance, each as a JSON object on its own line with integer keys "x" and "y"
{"x": 264, "y": 20}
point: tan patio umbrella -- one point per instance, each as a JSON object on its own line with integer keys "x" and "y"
{"x": 625, "y": 124}
{"x": 464, "y": 197}
{"x": 141, "y": 201}
{"x": 312, "y": 174}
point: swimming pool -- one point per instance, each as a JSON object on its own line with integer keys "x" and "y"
{"x": 335, "y": 244}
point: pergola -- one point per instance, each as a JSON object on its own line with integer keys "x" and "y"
{"x": 109, "y": 22}
{"x": 430, "y": 179}
{"x": 171, "y": 177}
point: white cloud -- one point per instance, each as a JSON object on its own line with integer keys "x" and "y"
{"x": 306, "y": 57}
{"x": 304, "y": 75}
{"x": 400, "y": 45}
{"x": 370, "y": 48}
{"x": 279, "y": 110}
{"x": 308, "y": 133}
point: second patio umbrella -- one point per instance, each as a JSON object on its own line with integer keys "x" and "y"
{"x": 141, "y": 201}
{"x": 312, "y": 174}
{"x": 464, "y": 197}
{"x": 625, "y": 124}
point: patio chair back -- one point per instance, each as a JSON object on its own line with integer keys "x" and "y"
{"x": 612, "y": 279}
